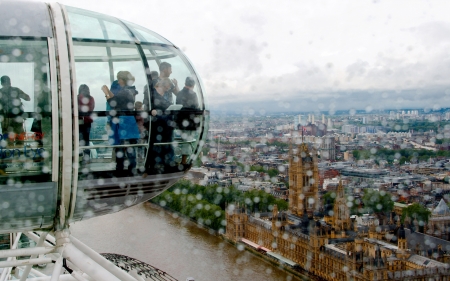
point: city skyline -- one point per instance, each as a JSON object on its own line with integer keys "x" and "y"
{"x": 309, "y": 55}
{"x": 350, "y": 112}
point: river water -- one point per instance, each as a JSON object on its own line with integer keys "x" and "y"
{"x": 174, "y": 245}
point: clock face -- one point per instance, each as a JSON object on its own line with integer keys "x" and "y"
{"x": 307, "y": 161}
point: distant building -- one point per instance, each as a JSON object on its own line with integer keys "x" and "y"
{"x": 439, "y": 222}
{"x": 348, "y": 156}
{"x": 361, "y": 174}
{"x": 328, "y": 149}
{"x": 332, "y": 246}
{"x": 327, "y": 174}
{"x": 330, "y": 124}
{"x": 314, "y": 130}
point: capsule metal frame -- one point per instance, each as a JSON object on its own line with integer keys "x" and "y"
{"x": 59, "y": 186}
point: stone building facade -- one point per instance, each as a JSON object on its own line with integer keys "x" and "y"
{"x": 332, "y": 247}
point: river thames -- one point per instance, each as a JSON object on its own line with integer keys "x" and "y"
{"x": 174, "y": 245}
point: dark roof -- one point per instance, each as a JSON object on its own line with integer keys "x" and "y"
{"x": 425, "y": 241}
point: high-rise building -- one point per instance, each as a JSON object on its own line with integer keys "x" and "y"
{"x": 328, "y": 148}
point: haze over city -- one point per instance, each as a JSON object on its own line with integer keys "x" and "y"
{"x": 307, "y": 140}
{"x": 304, "y": 56}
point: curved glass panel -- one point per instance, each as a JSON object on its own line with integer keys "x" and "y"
{"x": 110, "y": 80}
{"x": 137, "y": 135}
{"x": 17, "y": 19}
{"x": 145, "y": 35}
{"x": 186, "y": 101}
{"x": 98, "y": 69}
{"x": 90, "y": 25}
{"x": 27, "y": 195}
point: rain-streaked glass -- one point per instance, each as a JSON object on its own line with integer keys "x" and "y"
{"x": 91, "y": 25}
{"x": 27, "y": 195}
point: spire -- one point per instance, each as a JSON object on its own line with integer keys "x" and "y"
{"x": 401, "y": 234}
{"x": 275, "y": 211}
{"x": 340, "y": 189}
{"x": 303, "y": 139}
{"x": 290, "y": 148}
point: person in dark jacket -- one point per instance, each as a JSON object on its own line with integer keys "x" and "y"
{"x": 86, "y": 105}
{"x": 161, "y": 158}
{"x": 188, "y": 99}
{"x": 124, "y": 129}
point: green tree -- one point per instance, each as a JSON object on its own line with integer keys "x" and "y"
{"x": 329, "y": 198}
{"x": 273, "y": 172}
{"x": 206, "y": 204}
{"x": 416, "y": 212}
{"x": 378, "y": 202}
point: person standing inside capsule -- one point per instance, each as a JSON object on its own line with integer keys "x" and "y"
{"x": 11, "y": 108}
{"x": 124, "y": 128}
{"x": 160, "y": 160}
{"x": 165, "y": 69}
{"x": 86, "y": 105}
{"x": 188, "y": 99}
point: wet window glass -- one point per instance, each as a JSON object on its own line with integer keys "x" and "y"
{"x": 184, "y": 98}
{"x": 110, "y": 83}
{"x": 145, "y": 35}
{"x": 140, "y": 112}
{"x": 85, "y": 24}
{"x": 26, "y": 134}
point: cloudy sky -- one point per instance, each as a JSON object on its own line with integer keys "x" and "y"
{"x": 291, "y": 55}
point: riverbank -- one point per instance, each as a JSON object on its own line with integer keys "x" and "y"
{"x": 175, "y": 245}
{"x": 211, "y": 231}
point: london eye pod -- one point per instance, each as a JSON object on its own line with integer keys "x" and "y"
{"x": 72, "y": 148}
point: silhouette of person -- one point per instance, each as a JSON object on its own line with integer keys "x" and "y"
{"x": 86, "y": 104}
{"x": 161, "y": 158}
{"x": 11, "y": 108}
{"x": 124, "y": 129}
{"x": 188, "y": 98}
{"x": 165, "y": 69}
{"x": 155, "y": 78}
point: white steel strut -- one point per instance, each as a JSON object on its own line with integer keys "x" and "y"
{"x": 71, "y": 260}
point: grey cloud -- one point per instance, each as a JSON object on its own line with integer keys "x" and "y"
{"x": 341, "y": 100}
{"x": 253, "y": 18}
{"x": 235, "y": 56}
{"x": 432, "y": 33}
{"x": 390, "y": 72}
{"x": 358, "y": 68}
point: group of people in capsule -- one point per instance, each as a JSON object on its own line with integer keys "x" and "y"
{"x": 129, "y": 120}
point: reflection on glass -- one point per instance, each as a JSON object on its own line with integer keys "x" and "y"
{"x": 25, "y": 145}
{"x": 86, "y": 24}
{"x": 119, "y": 141}
{"x": 145, "y": 35}
{"x": 114, "y": 118}
{"x": 184, "y": 93}
{"x": 27, "y": 194}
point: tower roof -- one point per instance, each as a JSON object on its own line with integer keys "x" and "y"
{"x": 441, "y": 209}
{"x": 401, "y": 232}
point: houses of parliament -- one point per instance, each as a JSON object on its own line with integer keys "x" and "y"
{"x": 332, "y": 246}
